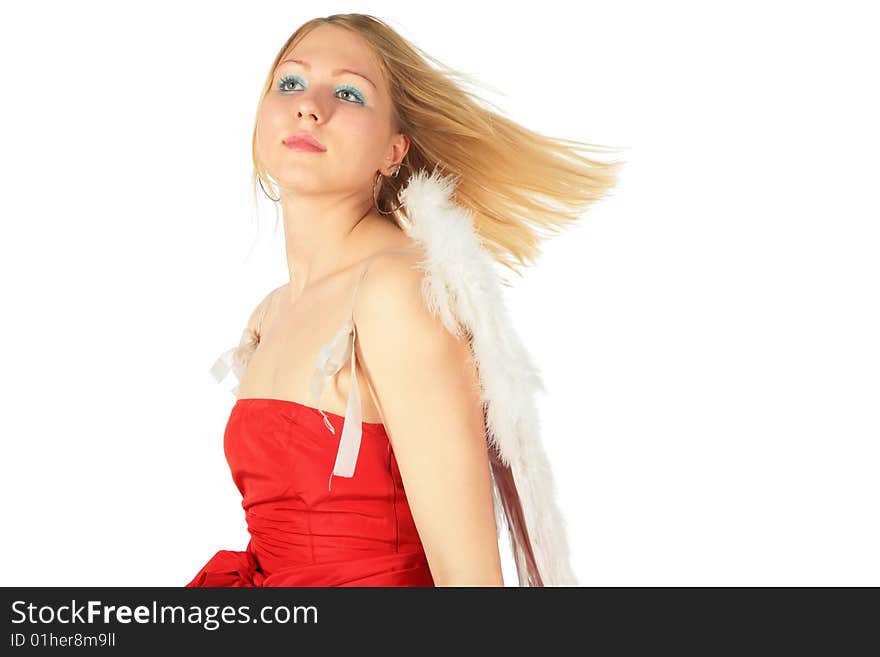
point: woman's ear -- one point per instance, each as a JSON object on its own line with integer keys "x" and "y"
{"x": 397, "y": 151}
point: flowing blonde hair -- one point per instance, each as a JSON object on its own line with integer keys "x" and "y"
{"x": 521, "y": 186}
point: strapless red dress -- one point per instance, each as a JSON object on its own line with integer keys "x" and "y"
{"x": 360, "y": 533}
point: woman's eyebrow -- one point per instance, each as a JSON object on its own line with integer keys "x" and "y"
{"x": 336, "y": 72}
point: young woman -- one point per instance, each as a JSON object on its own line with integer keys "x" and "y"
{"x": 384, "y": 425}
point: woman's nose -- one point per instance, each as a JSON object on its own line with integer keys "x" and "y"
{"x": 308, "y": 105}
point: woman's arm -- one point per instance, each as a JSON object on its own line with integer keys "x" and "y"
{"x": 426, "y": 387}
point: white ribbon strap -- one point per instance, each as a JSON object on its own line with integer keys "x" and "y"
{"x": 331, "y": 359}
{"x": 222, "y": 365}
{"x": 352, "y": 428}
{"x": 227, "y": 361}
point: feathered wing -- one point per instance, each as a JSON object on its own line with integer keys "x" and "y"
{"x": 462, "y": 287}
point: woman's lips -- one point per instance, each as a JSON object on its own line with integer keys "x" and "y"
{"x": 303, "y": 141}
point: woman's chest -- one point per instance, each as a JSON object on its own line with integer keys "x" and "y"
{"x": 278, "y": 450}
{"x": 290, "y": 349}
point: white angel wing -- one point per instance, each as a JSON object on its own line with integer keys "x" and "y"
{"x": 462, "y": 287}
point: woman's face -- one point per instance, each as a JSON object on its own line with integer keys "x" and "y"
{"x": 348, "y": 114}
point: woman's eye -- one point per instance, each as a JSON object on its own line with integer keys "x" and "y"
{"x": 354, "y": 95}
{"x": 287, "y": 79}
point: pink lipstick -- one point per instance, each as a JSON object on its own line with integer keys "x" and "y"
{"x": 303, "y": 141}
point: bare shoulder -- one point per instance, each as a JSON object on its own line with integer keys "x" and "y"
{"x": 392, "y": 286}
{"x": 254, "y": 319}
{"x": 391, "y": 312}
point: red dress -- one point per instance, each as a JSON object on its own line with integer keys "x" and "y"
{"x": 359, "y": 534}
{"x": 356, "y": 528}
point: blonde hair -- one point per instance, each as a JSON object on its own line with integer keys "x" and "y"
{"x": 521, "y": 186}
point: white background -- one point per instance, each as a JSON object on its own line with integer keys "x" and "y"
{"x": 707, "y": 335}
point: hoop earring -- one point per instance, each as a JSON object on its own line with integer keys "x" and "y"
{"x": 260, "y": 178}
{"x": 378, "y": 176}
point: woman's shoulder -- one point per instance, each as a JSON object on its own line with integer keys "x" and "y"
{"x": 397, "y": 259}
{"x": 392, "y": 285}
{"x": 259, "y": 311}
